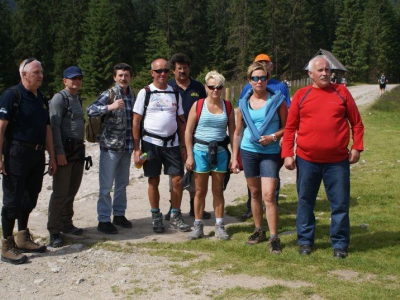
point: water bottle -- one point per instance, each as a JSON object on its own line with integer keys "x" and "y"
{"x": 142, "y": 159}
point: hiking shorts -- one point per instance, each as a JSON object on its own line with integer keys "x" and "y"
{"x": 203, "y": 165}
{"x": 158, "y": 156}
{"x": 260, "y": 164}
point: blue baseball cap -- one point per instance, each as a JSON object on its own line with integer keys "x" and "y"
{"x": 72, "y": 72}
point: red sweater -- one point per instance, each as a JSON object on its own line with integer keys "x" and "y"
{"x": 322, "y": 121}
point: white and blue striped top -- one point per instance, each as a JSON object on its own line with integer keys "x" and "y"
{"x": 211, "y": 127}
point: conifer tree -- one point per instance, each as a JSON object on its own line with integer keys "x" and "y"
{"x": 8, "y": 69}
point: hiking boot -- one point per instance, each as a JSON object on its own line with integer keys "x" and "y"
{"x": 122, "y": 221}
{"x": 220, "y": 232}
{"x": 10, "y": 252}
{"x": 206, "y": 215}
{"x": 246, "y": 215}
{"x": 25, "y": 242}
{"x": 107, "y": 228}
{"x": 178, "y": 223}
{"x": 275, "y": 246}
{"x": 55, "y": 240}
{"x": 197, "y": 232}
{"x": 158, "y": 226}
{"x": 258, "y": 236}
{"x": 71, "y": 229}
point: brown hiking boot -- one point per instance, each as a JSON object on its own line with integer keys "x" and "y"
{"x": 25, "y": 242}
{"x": 10, "y": 253}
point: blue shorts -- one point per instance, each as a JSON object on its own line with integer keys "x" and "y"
{"x": 203, "y": 165}
{"x": 260, "y": 164}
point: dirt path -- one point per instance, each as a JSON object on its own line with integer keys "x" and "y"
{"x": 74, "y": 271}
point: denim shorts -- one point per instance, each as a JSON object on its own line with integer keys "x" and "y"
{"x": 260, "y": 164}
{"x": 203, "y": 165}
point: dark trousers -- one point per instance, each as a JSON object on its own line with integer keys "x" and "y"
{"x": 21, "y": 185}
{"x": 66, "y": 183}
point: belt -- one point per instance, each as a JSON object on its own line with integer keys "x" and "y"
{"x": 37, "y": 147}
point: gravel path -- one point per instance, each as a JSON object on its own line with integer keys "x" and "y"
{"x": 76, "y": 271}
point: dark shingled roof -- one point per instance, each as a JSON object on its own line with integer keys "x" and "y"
{"x": 333, "y": 61}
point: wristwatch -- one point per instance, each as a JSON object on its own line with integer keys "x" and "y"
{"x": 274, "y": 138}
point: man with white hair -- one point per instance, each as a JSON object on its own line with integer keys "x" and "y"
{"x": 318, "y": 123}
{"x": 24, "y": 135}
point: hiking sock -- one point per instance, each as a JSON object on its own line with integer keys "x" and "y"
{"x": 155, "y": 210}
{"x": 219, "y": 220}
{"x": 8, "y": 227}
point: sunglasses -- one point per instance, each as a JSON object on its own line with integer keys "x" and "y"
{"x": 213, "y": 87}
{"x": 77, "y": 78}
{"x": 160, "y": 71}
{"x": 28, "y": 61}
{"x": 257, "y": 78}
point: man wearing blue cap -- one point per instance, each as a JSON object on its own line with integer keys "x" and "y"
{"x": 67, "y": 125}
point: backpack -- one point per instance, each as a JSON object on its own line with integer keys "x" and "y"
{"x": 67, "y": 106}
{"x": 94, "y": 124}
{"x": 146, "y": 104}
{"x": 199, "y": 108}
{"x": 383, "y": 80}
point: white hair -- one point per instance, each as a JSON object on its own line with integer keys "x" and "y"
{"x": 23, "y": 66}
{"x": 219, "y": 79}
{"x": 310, "y": 66}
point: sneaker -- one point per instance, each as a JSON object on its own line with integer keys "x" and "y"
{"x": 206, "y": 215}
{"x": 246, "y": 215}
{"x": 275, "y": 246}
{"x": 340, "y": 253}
{"x": 258, "y": 236}
{"x": 122, "y": 221}
{"x": 25, "y": 242}
{"x": 178, "y": 223}
{"x": 220, "y": 232}
{"x": 56, "y": 240}
{"x": 107, "y": 228}
{"x": 10, "y": 252}
{"x": 197, "y": 232}
{"x": 158, "y": 226}
{"x": 71, "y": 229}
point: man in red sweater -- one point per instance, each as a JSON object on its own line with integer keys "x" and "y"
{"x": 320, "y": 116}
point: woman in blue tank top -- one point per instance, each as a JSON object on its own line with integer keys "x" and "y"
{"x": 260, "y": 124}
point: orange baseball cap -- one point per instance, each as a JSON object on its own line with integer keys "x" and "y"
{"x": 264, "y": 57}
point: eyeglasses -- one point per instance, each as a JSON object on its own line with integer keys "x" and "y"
{"x": 160, "y": 71}
{"x": 28, "y": 61}
{"x": 213, "y": 87}
{"x": 257, "y": 78}
{"x": 77, "y": 78}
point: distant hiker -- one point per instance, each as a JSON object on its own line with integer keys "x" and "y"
{"x": 322, "y": 119}
{"x": 67, "y": 124}
{"x": 382, "y": 83}
{"x": 333, "y": 78}
{"x": 116, "y": 147}
{"x": 24, "y": 135}
{"x": 159, "y": 107}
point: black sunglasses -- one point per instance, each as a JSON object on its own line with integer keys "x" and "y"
{"x": 257, "y": 78}
{"x": 28, "y": 61}
{"x": 160, "y": 71}
{"x": 213, "y": 87}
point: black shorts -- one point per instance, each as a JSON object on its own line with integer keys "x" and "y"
{"x": 158, "y": 156}
{"x": 382, "y": 86}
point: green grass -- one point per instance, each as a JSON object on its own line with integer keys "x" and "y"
{"x": 372, "y": 269}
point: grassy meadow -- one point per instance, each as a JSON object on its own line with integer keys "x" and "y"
{"x": 372, "y": 270}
